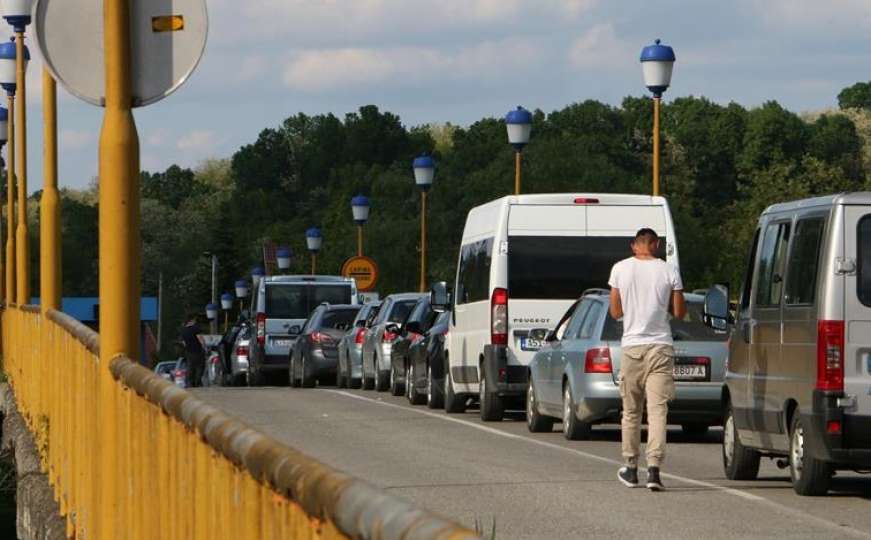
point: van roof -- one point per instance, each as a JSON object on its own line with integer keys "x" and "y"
{"x": 857, "y": 197}
{"x": 306, "y": 279}
{"x": 569, "y": 199}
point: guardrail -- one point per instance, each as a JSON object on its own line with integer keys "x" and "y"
{"x": 185, "y": 469}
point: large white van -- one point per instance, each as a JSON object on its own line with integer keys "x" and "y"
{"x": 523, "y": 260}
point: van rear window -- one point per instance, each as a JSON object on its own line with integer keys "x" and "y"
{"x": 286, "y": 301}
{"x": 864, "y": 247}
{"x": 562, "y": 267}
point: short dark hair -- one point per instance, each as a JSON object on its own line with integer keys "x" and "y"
{"x": 193, "y": 317}
{"x": 646, "y": 236}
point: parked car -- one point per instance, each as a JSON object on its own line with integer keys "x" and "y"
{"x": 426, "y": 365}
{"x": 797, "y": 387}
{"x": 575, "y": 374}
{"x": 314, "y": 358}
{"x": 231, "y": 374}
{"x": 213, "y": 372}
{"x": 350, "y": 370}
{"x": 280, "y": 306}
{"x": 239, "y": 356}
{"x": 164, "y": 369}
{"x": 379, "y": 339}
{"x": 523, "y": 260}
{"x": 180, "y": 373}
{"x": 411, "y": 331}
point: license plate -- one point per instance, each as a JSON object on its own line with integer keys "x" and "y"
{"x": 527, "y": 344}
{"x": 282, "y": 342}
{"x": 690, "y": 372}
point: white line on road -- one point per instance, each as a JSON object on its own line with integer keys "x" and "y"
{"x": 830, "y": 525}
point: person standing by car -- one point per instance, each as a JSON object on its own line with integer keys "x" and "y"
{"x": 644, "y": 289}
{"x": 193, "y": 350}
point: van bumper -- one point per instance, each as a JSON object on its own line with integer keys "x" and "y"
{"x": 851, "y": 447}
{"x": 503, "y": 379}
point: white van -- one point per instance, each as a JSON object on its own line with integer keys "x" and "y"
{"x": 523, "y": 260}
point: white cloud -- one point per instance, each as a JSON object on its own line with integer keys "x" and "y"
{"x": 600, "y": 48}
{"x": 71, "y": 139}
{"x": 829, "y": 16}
{"x": 199, "y": 141}
{"x": 156, "y": 138}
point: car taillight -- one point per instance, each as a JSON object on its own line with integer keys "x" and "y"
{"x": 499, "y": 317}
{"x": 320, "y": 338}
{"x": 830, "y": 356}
{"x": 361, "y": 335}
{"x": 261, "y": 328}
{"x": 598, "y": 361}
{"x": 180, "y": 373}
{"x": 241, "y": 350}
{"x": 389, "y": 336}
{"x": 701, "y": 361}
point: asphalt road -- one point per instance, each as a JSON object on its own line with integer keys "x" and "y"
{"x": 540, "y": 485}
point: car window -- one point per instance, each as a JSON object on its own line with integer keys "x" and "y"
{"x": 693, "y": 328}
{"x": 748, "y": 275}
{"x": 329, "y": 294}
{"x": 419, "y": 312}
{"x": 286, "y": 302}
{"x": 590, "y": 321}
{"x": 400, "y": 310}
{"x": 569, "y": 325}
{"x": 864, "y": 254}
{"x": 312, "y": 320}
{"x": 804, "y": 261}
{"x": 473, "y": 277}
{"x": 340, "y": 319}
{"x": 772, "y": 265}
{"x": 383, "y": 312}
{"x": 373, "y": 315}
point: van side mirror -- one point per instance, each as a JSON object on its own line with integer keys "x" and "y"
{"x": 440, "y": 297}
{"x": 393, "y": 328}
{"x": 716, "y": 311}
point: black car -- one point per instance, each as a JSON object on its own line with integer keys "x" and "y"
{"x": 426, "y": 365}
{"x": 418, "y": 321}
{"x": 314, "y": 356}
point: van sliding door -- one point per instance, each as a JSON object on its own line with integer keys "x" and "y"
{"x": 857, "y": 304}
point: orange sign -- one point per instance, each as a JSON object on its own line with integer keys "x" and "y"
{"x": 363, "y": 270}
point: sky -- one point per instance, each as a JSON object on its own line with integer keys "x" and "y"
{"x": 435, "y": 61}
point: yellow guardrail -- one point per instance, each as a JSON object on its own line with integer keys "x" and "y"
{"x": 185, "y": 470}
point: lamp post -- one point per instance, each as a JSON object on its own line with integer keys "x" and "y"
{"x": 360, "y": 210}
{"x": 211, "y": 312}
{"x": 424, "y": 172}
{"x": 8, "y": 77}
{"x": 282, "y": 257}
{"x": 17, "y": 14}
{"x": 519, "y": 125}
{"x": 226, "y": 305}
{"x": 242, "y": 291}
{"x": 657, "y": 63}
{"x": 314, "y": 240}
{"x": 4, "y": 135}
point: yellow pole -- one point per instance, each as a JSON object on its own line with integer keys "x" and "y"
{"x": 656, "y": 104}
{"x": 22, "y": 247}
{"x": 517, "y": 172}
{"x": 49, "y": 213}
{"x": 359, "y": 240}
{"x": 422, "y": 241}
{"x": 119, "y": 247}
{"x": 10, "y": 205}
{"x": 314, "y": 263}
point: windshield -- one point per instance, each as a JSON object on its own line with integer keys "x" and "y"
{"x": 690, "y": 328}
{"x": 400, "y": 311}
{"x": 286, "y": 301}
{"x": 562, "y": 267}
{"x": 339, "y": 319}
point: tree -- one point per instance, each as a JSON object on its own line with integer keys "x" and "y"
{"x": 857, "y": 96}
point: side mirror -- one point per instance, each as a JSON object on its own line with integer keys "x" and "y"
{"x": 538, "y": 334}
{"x": 295, "y": 329}
{"x": 440, "y": 297}
{"x": 413, "y": 327}
{"x": 716, "y": 311}
{"x": 392, "y": 328}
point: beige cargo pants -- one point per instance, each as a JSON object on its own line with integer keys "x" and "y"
{"x": 646, "y": 373}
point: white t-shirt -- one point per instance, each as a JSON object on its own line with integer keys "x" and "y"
{"x": 645, "y": 288}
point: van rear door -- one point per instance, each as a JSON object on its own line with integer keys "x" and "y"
{"x": 857, "y": 349}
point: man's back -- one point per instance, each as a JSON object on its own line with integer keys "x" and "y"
{"x": 646, "y": 287}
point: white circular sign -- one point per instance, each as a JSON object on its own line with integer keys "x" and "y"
{"x": 168, "y": 38}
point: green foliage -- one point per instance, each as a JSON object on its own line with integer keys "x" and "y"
{"x": 857, "y": 96}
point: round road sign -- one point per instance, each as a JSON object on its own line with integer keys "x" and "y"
{"x": 363, "y": 270}
{"x": 167, "y": 42}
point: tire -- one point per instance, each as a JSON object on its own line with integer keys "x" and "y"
{"x": 368, "y": 383}
{"x": 739, "y": 462}
{"x": 396, "y": 387}
{"x": 382, "y": 380}
{"x": 291, "y": 378}
{"x": 435, "y": 397}
{"x": 307, "y": 380}
{"x": 695, "y": 430}
{"x": 340, "y": 378}
{"x": 238, "y": 380}
{"x": 573, "y": 429}
{"x": 414, "y": 397}
{"x": 454, "y": 404}
{"x": 254, "y": 378}
{"x": 810, "y": 476}
{"x": 536, "y": 422}
{"x": 492, "y": 406}
{"x": 354, "y": 383}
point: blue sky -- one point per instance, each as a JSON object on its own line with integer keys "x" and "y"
{"x": 460, "y": 60}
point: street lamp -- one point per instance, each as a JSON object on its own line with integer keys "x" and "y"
{"x": 657, "y": 63}
{"x": 8, "y": 78}
{"x": 17, "y": 14}
{"x": 256, "y": 273}
{"x": 314, "y": 240}
{"x": 519, "y": 125}
{"x": 4, "y": 135}
{"x": 226, "y": 305}
{"x": 211, "y": 312}
{"x": 360, "y": 209}
{"x": 282, "y": 257}
{"x": 242, "y": 291}
{"x": 424, "y": 172}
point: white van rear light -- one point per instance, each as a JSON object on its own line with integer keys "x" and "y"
{"x": 830, "y": 356}
{"x": 586, "y": 200}
{"x": 499, "y": 317}
{"x": 261, "y": 328}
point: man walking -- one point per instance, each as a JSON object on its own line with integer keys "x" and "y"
{"x": 644, "y": 289}
{"x": 193, "y": 350}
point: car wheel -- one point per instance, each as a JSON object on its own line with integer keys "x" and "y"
{"x": 810, "y": 476}
{"x": 434, "y": 393}
{"x": 340, "y": 377}
{"x": 454, "y": 404}
{"x": 382, "y": 378}
{"x": 396, "y": 388}
{"x": 254, "y": 378}
{"x": 536, "y": 422}
{"x": 414, "y": 397}
{"x": 492, "y": 406}
{"x": 573, "y": 429}
{"x": 294, "y": 382}
{"x": 307, "y": 380}
{"x": 695, "y": 430}
{"x": 739, "y": 463}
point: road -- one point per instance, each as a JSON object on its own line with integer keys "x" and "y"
{"x": 540, "y": 485}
